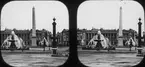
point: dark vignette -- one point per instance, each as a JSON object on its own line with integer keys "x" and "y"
{"x": 72, "y": 60}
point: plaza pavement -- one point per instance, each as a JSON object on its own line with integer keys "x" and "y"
{"x": 38, "y": 58}
{"x": 66, "y": 50}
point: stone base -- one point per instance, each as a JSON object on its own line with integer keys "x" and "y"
{"x": 35, "y": 47}
{"x": 33, "y": 40}
{"x": 140, "y": 55}
{"x": 89, "y": 48}
{"x": 59, "y": 55}
{"x": 121, "y": 47}
{"x": 120, "y": 42}
{"x": 39, "y": 48}
{"x": 14, "y": 48}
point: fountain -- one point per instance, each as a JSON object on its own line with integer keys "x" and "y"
{"x": 98, "y": 42}
{"x": 45, "y": 43}
{"x": 13, "y": 42}
{"x": 130, "y": 43}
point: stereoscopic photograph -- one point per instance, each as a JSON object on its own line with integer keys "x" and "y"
{"x": 38, "y": 33}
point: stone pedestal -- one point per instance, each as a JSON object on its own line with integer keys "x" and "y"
{"x": 120, "y": 42}
{"x": 57, "y": 54}
{"x": 54, "y": 51}
{"x": 139, "y": 52}
{"x": 33, "y": 40}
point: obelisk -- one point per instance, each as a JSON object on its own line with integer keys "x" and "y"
{"x": 120, "y": 34}
{"x": 33, "y": 36}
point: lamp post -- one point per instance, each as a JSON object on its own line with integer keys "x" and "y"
{"x": 139, "y": 39}
{"x": 144, "y": 38}
{"x": 54, "y": 37}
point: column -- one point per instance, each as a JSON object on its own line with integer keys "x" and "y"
{"x": 139, "y": 39}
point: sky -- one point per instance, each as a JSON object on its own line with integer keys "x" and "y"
{"x": 18, "y": 14}
{"x": 105, "y": 14}
{"x": 96, "y": 14}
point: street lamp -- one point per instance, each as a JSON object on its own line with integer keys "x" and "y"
{"x": 54, "y": 44}
{"x": 54, "y": 37}
{"x": 139, "y": 38}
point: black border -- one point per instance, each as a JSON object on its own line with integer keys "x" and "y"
{"x": 72, "y": 60}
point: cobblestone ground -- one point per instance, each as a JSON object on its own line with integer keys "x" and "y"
{"x": 89, "y": 58}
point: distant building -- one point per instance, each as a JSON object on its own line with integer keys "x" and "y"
{"x": 111, "y": 34}
{"x": 24, "y": 34}
{"x": 59, "y": 39}
{"x": 63, "y": 37}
